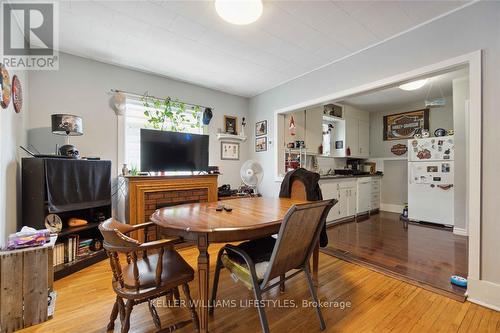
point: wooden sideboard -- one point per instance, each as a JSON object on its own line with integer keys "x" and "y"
{"x": 145, "y": 194}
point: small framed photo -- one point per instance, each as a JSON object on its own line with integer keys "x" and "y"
{"x": 231, "y": 125}
{"x": 261, "y": 144}
{"x": 261, "y": 128}
{"x": 229, "y": 150}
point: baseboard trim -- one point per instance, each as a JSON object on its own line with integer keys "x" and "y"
{"x": 391, "y": 208}
{"x": 460, "y": 231}
{"x": 484, "y": 293}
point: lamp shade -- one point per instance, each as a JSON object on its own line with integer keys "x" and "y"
{"x": 67, "y": 124}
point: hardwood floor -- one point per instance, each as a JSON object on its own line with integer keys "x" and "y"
{"x": 423, "y": 255}
{"x": 377, "y": 303}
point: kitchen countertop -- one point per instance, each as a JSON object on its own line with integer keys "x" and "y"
{"x": 347, "y": 176}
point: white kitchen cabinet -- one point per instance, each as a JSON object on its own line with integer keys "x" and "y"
{"x": 351, "y": 201}
{"x": 355, "y": 196}
{"x": 363, "y": 138}
{"x": 313, "y": 129}
{"x": 358, "y": 137}
{"x": 375, "y": 193}
{"x": 345, "y": 192}
{"x": 351, "y": 136}
{"x": 347, "y": 195}
{"x": 364, "y": 195}
{"x": 330, "y": 190}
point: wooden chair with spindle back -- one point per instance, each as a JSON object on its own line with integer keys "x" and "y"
{"x": 298, "y": 192}
{"x": 152, "y": 269}
{"x": 298, "y": 235}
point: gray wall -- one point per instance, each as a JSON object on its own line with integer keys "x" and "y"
{"x": 394, "y": 183}
{"x": 438, "y": 117}
{"x": 12, "y": 135}
{"x": 472, "y": 28}
{"x": 81, "y": 86}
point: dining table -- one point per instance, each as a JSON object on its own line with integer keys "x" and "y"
{"x": 202, "y": 224}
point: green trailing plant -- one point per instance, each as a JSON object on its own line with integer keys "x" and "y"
{"x": 167, "y": 114}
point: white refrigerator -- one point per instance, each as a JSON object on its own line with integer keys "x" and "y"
{"x": 431, "y": 179}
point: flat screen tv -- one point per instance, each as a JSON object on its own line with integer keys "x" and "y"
{"x": 173, "y": 151}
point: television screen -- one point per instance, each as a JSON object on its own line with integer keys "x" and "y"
{"x": 173, "y": 151}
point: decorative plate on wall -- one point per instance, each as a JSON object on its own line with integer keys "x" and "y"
{"x": 5, "y": 84}
{"x": 17, "y": 94}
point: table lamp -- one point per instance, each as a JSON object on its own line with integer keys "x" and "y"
{"x": 68, "y": 125}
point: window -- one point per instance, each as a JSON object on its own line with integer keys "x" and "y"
{"x": 186, "y": 118}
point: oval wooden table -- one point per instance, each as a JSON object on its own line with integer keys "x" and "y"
{"x": 200, "y": 223}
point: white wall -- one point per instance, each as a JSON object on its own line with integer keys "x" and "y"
{"x": 472, "y": 28}
{"x": 12, "y": 135}
{"x": 394, "y": 185}
{"x": 81, "y": 86}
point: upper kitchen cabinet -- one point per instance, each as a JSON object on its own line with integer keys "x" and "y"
{"x": 314, "y": 132}
{"x": 364, "y": 138}
{"x": 357, "y": 136}
{"x": 307, "y": 128}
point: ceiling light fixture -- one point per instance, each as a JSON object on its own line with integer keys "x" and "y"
{"x": 239, "y": 12}
{"x": 414, "y": 85}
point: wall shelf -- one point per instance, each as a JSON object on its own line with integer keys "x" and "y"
{"x": 332, "y": 118}
{"x": 231, "y": 137}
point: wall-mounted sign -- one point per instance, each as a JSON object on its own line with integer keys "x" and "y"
{"x": 402, "y": 126}
{"x": 399, "y": 149}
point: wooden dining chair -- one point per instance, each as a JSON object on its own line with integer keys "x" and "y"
{"x": 151, "y": 270}
{"x": 298, "y": 192}
{"x": 298, "y": 235}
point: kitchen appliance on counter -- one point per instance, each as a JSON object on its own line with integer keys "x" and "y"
{"x": 431, "y": 179}
{"x": 353, "y": 167}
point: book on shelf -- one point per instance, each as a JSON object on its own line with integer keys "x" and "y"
{"x": 71, "y": 249}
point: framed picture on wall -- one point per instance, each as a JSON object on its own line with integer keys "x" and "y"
{"x": 231, "y": 125}
{"x": 401, "y": 126}
{"x": 229, "y": 150}
{"x": 261, "y": 128}
{"x": 261, "y": 144}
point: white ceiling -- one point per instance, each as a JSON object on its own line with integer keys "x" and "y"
{"x": 394, "y": 98}
{"x": 186, "y": 40}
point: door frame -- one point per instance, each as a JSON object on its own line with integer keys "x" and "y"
{"x": 474, "y": 138}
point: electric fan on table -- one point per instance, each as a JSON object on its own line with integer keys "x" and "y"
{"x": 252, "y": 174}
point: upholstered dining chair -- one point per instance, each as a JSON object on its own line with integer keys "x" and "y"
{"x": 150, "y": 270}
{"x": 298, "y": 235}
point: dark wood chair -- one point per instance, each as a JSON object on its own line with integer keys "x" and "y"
{"x": 151, "y": 270}
{"x": 298, "y": 235}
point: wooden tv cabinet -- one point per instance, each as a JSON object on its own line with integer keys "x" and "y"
{"x": 145, "y": 194}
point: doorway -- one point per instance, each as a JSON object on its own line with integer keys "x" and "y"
{"x": 472, "y": 137}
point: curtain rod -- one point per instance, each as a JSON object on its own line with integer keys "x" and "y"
{"x": 160, "y": 98}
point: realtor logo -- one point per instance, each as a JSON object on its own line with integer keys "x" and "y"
{"x": 30, "y": 35}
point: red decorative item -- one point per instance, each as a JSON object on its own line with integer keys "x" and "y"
{"x": 17, "y": 94}
{"x": 399, "y": 149}
{"x": 292, "y": 127}
{"x": 348, "y": 151}
{"x": 5, "y": 85}
{"x": 424, "y": 154}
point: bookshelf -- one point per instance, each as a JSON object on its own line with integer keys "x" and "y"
{"x": 71, "y": 251}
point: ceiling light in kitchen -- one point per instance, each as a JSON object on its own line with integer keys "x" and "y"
{"x": 239, "y": 12}
{"x": 414, "y": 85}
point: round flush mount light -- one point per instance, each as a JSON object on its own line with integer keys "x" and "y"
{"x": 414, "y": 85}
{"x": 239, "y": 12}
